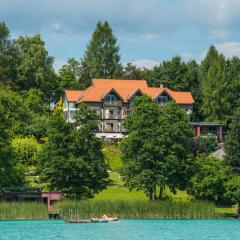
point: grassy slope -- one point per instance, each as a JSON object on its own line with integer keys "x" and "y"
{"x": 119, "y": 192}
{"x": 113, "y": 157}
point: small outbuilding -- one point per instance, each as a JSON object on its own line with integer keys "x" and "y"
{"x": 204, "y": 128}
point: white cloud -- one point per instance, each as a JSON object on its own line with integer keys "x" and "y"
{"x": 152, "y": 18}
{"x": 229, "y": 49}
{"x": 147, "y": 63}
{"x": 216, "y": 17}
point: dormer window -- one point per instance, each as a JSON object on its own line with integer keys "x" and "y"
{"x": 162, "y": 100}
{"x": 111, "y": 98}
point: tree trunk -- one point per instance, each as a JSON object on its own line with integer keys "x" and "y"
{"x": 150, "y": 194}
{"x": 155, "y": 193}
{"x": 161, "y": 192}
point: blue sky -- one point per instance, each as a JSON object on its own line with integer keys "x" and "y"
{"x": 148, "y": 31}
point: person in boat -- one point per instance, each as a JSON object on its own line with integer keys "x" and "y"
{"x": 105, "y": 217}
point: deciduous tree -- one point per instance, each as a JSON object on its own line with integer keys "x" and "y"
{"x": 156, "y": 152}
{"x": 71, "y": 160}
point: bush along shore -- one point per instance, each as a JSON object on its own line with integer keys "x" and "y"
{"x": 22, "y": 210}
{"x": 137, "y": 209}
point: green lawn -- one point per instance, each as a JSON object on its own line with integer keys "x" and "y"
{"x": 113, "y": 157}
{"x": 118, "y": 192}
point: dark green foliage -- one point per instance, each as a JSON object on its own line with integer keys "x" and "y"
{"x": 10, "y": 173}
{"x": 214, "y": 87}
{"x": 209, "y": 179}
{"x": 232, "y": 144}
{"x": 34, "y": 69}
{"x": 156, "y": 152}
{"x": 179, "y": 76}
{"x": 38, "y": 112}
{"x": 232, "y": 190}
{"x": 15, "y": 111}
{"x": 101, "y": 59}
{"x": 71, "y": 160}
{"x": 69, "y": 75}
{"x": 8, "y": 56}
{"x": 171, "y": 74}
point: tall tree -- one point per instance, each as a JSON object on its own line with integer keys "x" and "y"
{"x": 156, "y": 152}
{"x": 35, "y": 68}
{"x": 69, "y": 74}
{"x": 214, "y": 88}
{"x": 71, "y": 160}
{"x": 101, "y": 59}
{"x": 233, "y": 77}
{"x": 193, "y": 85}
{"x": 8, "y": 56}
{"x": 232, "y": 144}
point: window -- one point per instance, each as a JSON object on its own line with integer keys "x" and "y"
{"x": 71, "y": 115}
{"x": 111, "y": 98}
{"x": 162, "y": 100}
{"x": 65, "y": 104}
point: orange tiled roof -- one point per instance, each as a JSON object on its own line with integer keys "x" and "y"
{"x": 116, "y": 83}
{"x": 73, "y": 95}
{"x": 125, "y": 89}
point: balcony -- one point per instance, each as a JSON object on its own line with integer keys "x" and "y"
{"x": 111, "y": 130}
{"x": 112, "y": 103}
{"x": 114, "y": 116}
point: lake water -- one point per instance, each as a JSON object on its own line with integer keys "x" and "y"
{"x": 122, "y": 230}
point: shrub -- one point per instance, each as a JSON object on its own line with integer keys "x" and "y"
{"x": 26, "y": 150}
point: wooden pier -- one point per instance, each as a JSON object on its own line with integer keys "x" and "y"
{"x": 74, "y": 217}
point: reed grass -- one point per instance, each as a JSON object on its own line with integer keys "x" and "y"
{"x": 22, "y": 210}
{"x": 137, "y": 209}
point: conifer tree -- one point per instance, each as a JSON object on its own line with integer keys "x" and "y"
{"x": 215, "y": 104}
{"x": 101, "y": 59}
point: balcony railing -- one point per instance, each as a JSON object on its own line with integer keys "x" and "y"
{"x": 111, "y": 130}
{"x": 112, "y": 103}
{"x": 114, "y": 116}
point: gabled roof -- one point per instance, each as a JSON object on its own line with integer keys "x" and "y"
{"x": 131, "y": 94}
{"x": 182, "y": 97}
{"x": 109, "y": 91}
{"x": 73, "y": 95}
{"x": 125, "y": 89}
